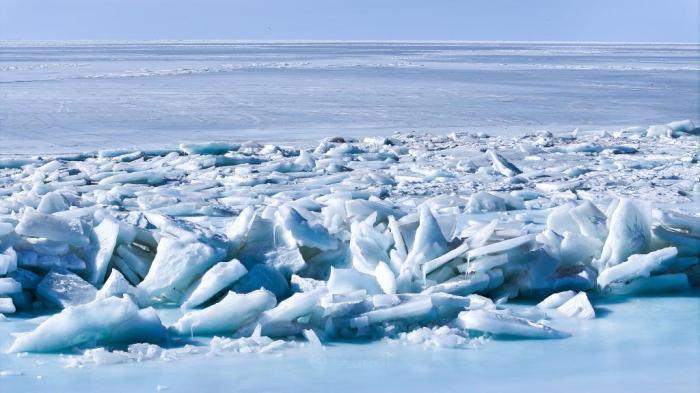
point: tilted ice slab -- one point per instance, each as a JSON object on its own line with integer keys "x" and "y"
{"x": 105, "y": 321}
{"x": 396, "y": 237}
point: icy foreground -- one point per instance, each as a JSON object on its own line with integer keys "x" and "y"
{"x": 420, "y": 238}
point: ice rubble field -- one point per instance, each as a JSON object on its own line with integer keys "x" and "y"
{"x": 433, "y": 241}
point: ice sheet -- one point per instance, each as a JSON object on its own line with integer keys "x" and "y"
{"x": 163, "y": 93}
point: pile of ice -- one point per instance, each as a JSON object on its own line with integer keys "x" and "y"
{"x": 419, "y": 237}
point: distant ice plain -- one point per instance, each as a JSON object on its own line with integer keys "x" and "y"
{"x": 71, "y": 97}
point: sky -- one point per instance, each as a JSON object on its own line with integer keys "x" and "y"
{"x": 475, "y": 20}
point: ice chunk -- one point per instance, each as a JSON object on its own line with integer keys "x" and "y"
{"x": 482, "y": 202}
{"x": 117, "y": 285}
{"x": 555, "y": 300}
{"x": 629, "y": 233}
{"x": 305, "y": 284}
{"x": 660, "y": 130}
{"x": 104, "y": 239}
{"x": 51, "y": 227}
{"x": 385, "y": 277}
{"x": 445, "y": 258}
{"x": 680, "y": 221}
{"x": 103, "y": 321}
{"x": 503, "y": 166}
{"x": 638, "y": 265}
{"x": 150, "y": 177}
{"x": 664, "y": 283}
{"x": 216, "y": 279}
{"x": 9, "y": 286}
{"x": 226, "y": 316}
{"x": 468, "y": 284}
{"x": 686, "y": 243}
{"x": 6, "y": 306}
{"x": 62, "y": 288}
{"x": 138, "y": 259}
{"x": 368, "y": 246}
{"x": 177, "y": 264}
{"x": 578, "y": 306}
{"x": 27, "y": 278}
{"x": 8, "y": 261}
{"x": 578, "y": 248}
{"x": 591, "y": 221}
{"x": 209, "y": 148}
{"x": 312, "y": 338}
{"x": 410, "y": 310}
{"x": 350, "y": 280}
{"x": 288, "y": 311}
{"x": 263, "y": 276}
{"x": 500, "y": 323}
{"x": 682, "y": 126}
{"x": 52, "y": 202}
{"x": 305, "y": 233}
{"x": 524, "y": 241}
{"x": 429, "y": 242}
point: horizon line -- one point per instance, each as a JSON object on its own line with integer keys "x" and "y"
{"x": 323, "y": 41}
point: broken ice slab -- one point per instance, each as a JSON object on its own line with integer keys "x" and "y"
{"x": 32, "y": 260}
{"x": 9, "y": 286}
{"x": 629, "y": 233}
{"x": 305, "y": 233}
{"x": 104, "y": 321}
{"x": 27, "y": 278}
{"x": 150, "y": 177}
{"x": 468, "y": 284}
{"x": 638, "y": 265}
{"x": 429, "y": 242}
{"x": 578, "y": 306}
{"x": 8, "y": 261}
{"x": 117, "y": 285}
{"x": 503, "y": 166}
{"x": 407, "y": 311}
{"x": 178, "y": 263}
{"x": 62, "y": 288}
{"x": 51, "y": 227}
{"x": 226, "y": 316}
{"x": 263, "y": 276}
{"x": 6, "y": 306}
{"x": 350, "y": 280}
{"x": 500, "y": 323}
{"x": 687, "y": 244}
{"x": 654, "y": 285}
{"x": 288, "y": 311}
{"x": 209, "y": 148}
{"x": 679, "y": 221}
{"x": 482, "y": 202}
{"x": 556, "y": 299}
{"x": 103, "y": 239}
{"x": 219, "y": 277}
{"x": 138, "y": 259}
{"x": 524, "y": 242}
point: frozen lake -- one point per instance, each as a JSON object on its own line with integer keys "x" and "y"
{"x": 81, "y": 96}
{"x": 642, "y": 344}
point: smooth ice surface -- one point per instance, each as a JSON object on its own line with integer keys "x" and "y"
{"x": 160, "y": 94}
{"x": 599, "y": 350}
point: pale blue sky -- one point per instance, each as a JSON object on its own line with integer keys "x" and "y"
{"x": 520, "y": 20}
